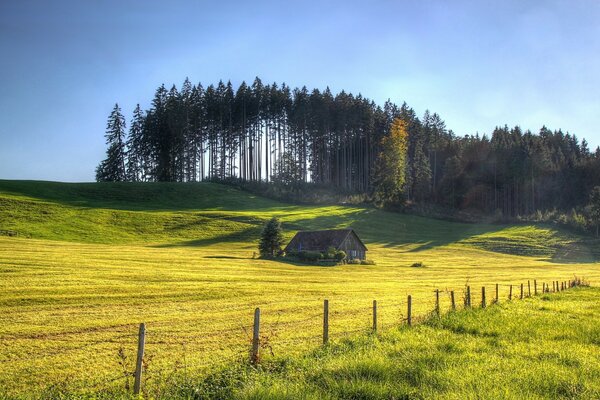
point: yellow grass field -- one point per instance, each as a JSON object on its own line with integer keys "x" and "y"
{"x": 80, "y": 273}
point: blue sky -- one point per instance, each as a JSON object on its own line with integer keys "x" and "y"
{"x": 476, "y": 63}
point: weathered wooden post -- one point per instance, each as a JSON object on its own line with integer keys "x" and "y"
{"x": 254, "y": 356}
{"x": 521, "y": 291}
{"x": 452, "y": 300}
{"x": 375, "y": 316}
{"x": 409, "y": 311}
{"x": 510, "y": 293}
{"x": 497, "y": 294}
{"x": 437, "y": 302}
{"x": 528, "y": 288}
{"x": 535, "y": 287}
{"x": 483, "y": 297}
{"x": 325, "y": 321}
{"x": 468, "y": 299}
{"x": 137, "y": 384}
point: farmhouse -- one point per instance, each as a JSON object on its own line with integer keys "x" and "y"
{"x": 340, "y": 239}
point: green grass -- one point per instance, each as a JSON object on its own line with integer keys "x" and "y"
{"x": 541, "y": 348}
{"x": 91, "y": 261}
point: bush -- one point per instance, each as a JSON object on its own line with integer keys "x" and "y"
{"x": 367, "y": 262}
{"x": 418, "y": 265}
{"x": 340, "y": 256}
{"x": 311, "y": 256}
{"x": 354, "y": 262}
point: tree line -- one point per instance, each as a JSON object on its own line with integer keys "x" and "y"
{"x": 273, "y": 133}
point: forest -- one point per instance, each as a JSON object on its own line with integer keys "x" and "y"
{"x": 294, "y": 137}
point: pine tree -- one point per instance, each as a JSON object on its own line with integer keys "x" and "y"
{"x": 390, "y": 173}
{"x": 135, "y": 147}
{"x": 112, "y": 168}
{"x": 271, "y": 239}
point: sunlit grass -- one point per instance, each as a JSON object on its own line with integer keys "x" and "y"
{"x": 90, "y": 262}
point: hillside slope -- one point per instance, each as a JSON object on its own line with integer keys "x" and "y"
{"x": 199, "y": 214}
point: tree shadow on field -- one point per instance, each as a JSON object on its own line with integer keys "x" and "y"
{"x": 396, "y": 230}
{"x": 580, "y": 252}
{"x": 245, "y": 235}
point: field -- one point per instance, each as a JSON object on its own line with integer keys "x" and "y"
{"x": 83, "y": 264}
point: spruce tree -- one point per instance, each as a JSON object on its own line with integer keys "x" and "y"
{"x": 112, "y": 168}
{"x": 271, "y": 239}
{"x": 135, "y": 147}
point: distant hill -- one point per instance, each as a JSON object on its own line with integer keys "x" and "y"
{"x": 196, "y": 214}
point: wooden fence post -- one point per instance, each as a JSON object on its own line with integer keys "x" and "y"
{"x": 374, "y": 315}
{"x": 535, "y": 287}
{"x": 468, "y": 299}
{"x": 409, "y": 311}
{"x": 528, "y": 288}
{"x": 483, "y": 297}
{"x": 510, "y": 293}
{"x": 137, "y": 384}
{"x": 254, "y": 356}
{"x": 497, "y": 294}
{"x": 325, "y": 321}
{"x": 452, "y": 300}
{"x": 521, "y": 291}
{"x": 437, "y": 302}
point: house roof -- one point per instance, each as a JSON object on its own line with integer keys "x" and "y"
{"x": 321, "y": 240}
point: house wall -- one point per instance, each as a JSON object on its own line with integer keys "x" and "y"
{"x": 353, "y": 248}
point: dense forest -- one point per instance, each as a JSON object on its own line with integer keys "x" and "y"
{"x": 273, "y": 133}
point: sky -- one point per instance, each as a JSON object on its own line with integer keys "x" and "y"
{"x": 479, "y": 64}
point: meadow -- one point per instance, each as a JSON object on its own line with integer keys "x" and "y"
{"x": 83, "y": 264}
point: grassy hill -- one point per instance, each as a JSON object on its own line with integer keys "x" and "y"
{"x": 83, "y": 264}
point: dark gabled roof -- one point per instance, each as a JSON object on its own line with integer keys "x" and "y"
{"x": 321, "y": 240}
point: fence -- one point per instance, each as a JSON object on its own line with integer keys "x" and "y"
{"x": 255, "y": 349}
{"x": 249, "y": 343}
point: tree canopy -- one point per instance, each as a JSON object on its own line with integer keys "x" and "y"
{"x": 264, "y": 132}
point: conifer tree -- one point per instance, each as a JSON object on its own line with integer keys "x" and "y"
{"x": 271, "y": 239}
{"x": 135, "y": 147}
{"x": 112, "y": 168}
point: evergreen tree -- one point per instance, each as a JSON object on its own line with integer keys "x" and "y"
{"x": 112, "y": 168}
{"x": 271, "y": 239}
{"x": 390, "y": 171}
{"x": 135, "y": 147}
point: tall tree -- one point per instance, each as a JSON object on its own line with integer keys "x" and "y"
{"x": 112, "y": 168}
{"x": 390, "y": 173}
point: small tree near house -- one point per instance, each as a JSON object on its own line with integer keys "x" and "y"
{"x": 271, "y": 239}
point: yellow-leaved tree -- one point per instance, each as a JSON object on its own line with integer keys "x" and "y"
{"x": 390, "y": 170}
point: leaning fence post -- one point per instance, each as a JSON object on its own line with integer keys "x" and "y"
{"x": 409, "y": 311}
{"x": 483, "y": 297}
{"x": 255, "y": 337}
{"x": 452, "y": 300}
{"x": 437, "y": 302}
{"x": 325, "y": 321}
{"x": 374, "y": 315}
{"x": 535, "y": 287}
{"x": 528, "y": 288}
{"x": 510, "y": 293}
{"x": 137, "y": 385}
